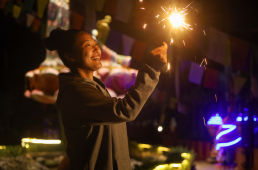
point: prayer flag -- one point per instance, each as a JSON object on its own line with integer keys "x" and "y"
{"x": 16, "y": 11}
{"x": 99, "y": 4}
{"x": 77, "y": 20}
{"x": 184, "y": 65}
{"x": 2, "y": 3}
{"x": 139, "y": 50}
{"x": 196, "y": 73}
{"x": 123, "y": 11}
{"x": 36, "y": 25}
{"x": 239, "y": 52}
{"x": 127, "y": 44}
{"x": 217, "y": 45}
{"x": 110, "y": 7}
{"x": 41, "y": 7}
{"x": 238, "y": 84}
{"x": 30, "y": 18}
{"x": 28, "y": 4}
{"x": 114, "y": 39}
{"x": 210, "y": 78}
{"x": 227, "y": 57}
{"x": 223, "y": 82}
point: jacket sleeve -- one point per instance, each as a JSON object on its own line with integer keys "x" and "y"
{"x": 84, "y": 103}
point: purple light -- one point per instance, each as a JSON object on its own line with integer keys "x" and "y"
{"x": 215, "y": 120}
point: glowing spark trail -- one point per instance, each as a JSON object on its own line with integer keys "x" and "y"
{"x": 204, "y": 121}
{"x": 144, "y": 26}
{"x": 216, "y": 97}
{"x": 204, "y": 32}
{"x": 142, "y": 8}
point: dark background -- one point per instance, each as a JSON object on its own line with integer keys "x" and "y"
{"x": 22, "y": 50}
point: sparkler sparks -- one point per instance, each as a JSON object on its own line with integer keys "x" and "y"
{"x": 144, "y": 26}
{"x": 204, "y": 32}
{"x": 142, "y": 8}
{"x": 216, "y": 97}
{"x": 168, "y": 67}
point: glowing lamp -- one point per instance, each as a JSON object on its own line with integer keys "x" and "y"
{"x": 213, "y": 123}
{"x": 160, "y": 128}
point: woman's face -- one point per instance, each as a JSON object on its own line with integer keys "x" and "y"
{"x": 87, "y": 52}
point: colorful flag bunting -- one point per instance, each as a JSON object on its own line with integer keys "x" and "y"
{"x": 210, "y": 78}
{"x": 16, "y": 11}
{"x": 217, "y": 45}
{"x": 239, "y": 52}
{"x": 127, "y": 44}
{"x": 99, "y": 4}
{"x": 114, "y": 39}
{"x": 41, "y": 7}
{"x": 77, "y": 20}
{"x": 196, "y": 73}
{"x": 139, "y": 49}
{"x": 30, "y": 19}
{"x": 123, "y": 11}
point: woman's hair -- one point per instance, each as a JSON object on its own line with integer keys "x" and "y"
{"x": 62, "y": 41}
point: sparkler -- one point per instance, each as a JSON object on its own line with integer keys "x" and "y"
{"x": 177, "y": 18}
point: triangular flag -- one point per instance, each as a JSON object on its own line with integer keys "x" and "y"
{"x": 41, "y": 7}
{"x": 2, "y": 3}
{"x": 127, "y": 44}
{"x": 77, "y": 21}
{"x": 36, "y": 25}
{"x": 30, "y": 18}
{"x": 139, "y": 49}
{"x": 123, "y": 11}
{"x": 238, "y": 84}
{"x": 16, "y": 11}
{"x": 28, "y": 4}
{"x": 210, "y": 78}
{"x": 99, "y": 4}
{"x": 196, "y": 73}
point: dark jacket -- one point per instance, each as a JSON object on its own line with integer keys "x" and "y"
{"x": 94, "y": 122}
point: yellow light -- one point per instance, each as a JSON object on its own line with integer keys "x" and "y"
{"x": 40, "y": 141}
{"x": 160, "y": 128}
{"x": 161, "y": 149}
{"x": 168, "y": 166}
{"x": 176, "y": 19}
{"x": 27, "y": 145}
{"x": 144, "y": 146}
{"x": 3, "y": 147}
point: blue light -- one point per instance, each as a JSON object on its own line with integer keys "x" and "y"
{"x": 215, "y": 120}
{"x": 239, "y": 118}
{"x": 230, "y": 129}
{"x": 246, "y": 118}
{"x": 219, "y": 145}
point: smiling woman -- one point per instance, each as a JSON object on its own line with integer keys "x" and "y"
{"x": 94, "y": 122}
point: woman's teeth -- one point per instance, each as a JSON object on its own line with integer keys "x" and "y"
{"x": 96, "y": 58}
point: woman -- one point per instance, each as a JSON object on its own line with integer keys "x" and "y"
{"x": 94, "y": 122}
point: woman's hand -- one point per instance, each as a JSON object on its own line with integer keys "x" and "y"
{"x": 161, "y": 52}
